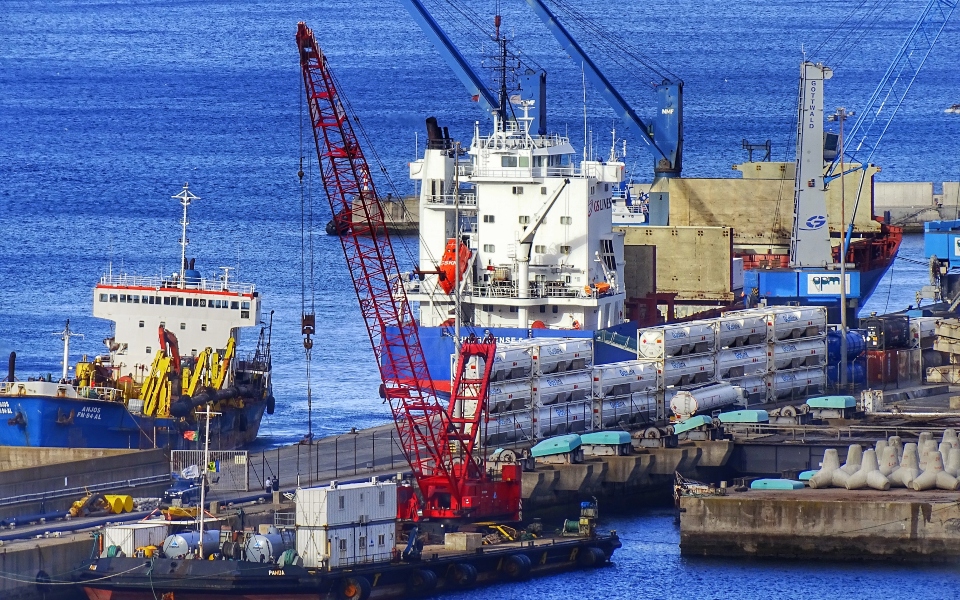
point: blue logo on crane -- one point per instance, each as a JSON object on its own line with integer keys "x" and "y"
{"x": 816, "y": 222}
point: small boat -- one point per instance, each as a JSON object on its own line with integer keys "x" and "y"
{"x": 955, "y": 108}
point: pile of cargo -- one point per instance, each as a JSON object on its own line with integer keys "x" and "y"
{"x": 897, "y": 347}
{"x": 546, "y": 387}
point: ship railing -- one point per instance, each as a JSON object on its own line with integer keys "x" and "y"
{"x": 451, "y": 199}
{"x": 100, "y": 393}
{"x": 159, "y": 283}
{"x": 525, "y": 172}
{"x": 519, "y": 141}
{"x": 508, "y": 289}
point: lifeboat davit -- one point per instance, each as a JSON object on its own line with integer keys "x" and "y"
{"x": 449, "y": 276}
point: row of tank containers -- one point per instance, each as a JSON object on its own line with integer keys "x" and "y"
{"x": 332, "y": 527}
{"x": 547, "y": 387}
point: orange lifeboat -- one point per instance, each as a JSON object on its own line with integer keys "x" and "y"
{"x": 449, "y": 276}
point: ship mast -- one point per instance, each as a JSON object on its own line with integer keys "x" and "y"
{"x": 185, "y": 197}
{"x": 65, "y": 335}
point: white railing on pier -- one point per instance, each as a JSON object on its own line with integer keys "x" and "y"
{"x": 169, "y": 283}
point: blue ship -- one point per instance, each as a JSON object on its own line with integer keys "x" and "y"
{"x": 174, "y": 352}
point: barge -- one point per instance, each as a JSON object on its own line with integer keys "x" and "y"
{"x": 342, "y": 541}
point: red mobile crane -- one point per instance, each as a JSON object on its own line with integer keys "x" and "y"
{"x": 441, "y": 445}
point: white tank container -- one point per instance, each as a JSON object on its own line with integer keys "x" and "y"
{"x": 618, "y": 379}
{"x": 742, "y": 362}
{"x": 179, "y": 545}
{"x": 511, "y": 395}
{"x": 786, "y": 384}
{"x": 560, "y": 356}
{"x": 512, "y": 362}
{"x": 741, "y": 329}
{"x": 754, "y": 388}
{"x": 801, "y": 353}
{"x": 628, "y": 409}
{"x": 686, "y": 403}
{"x": 694, "y": 337}
{"x": 509, "y": 427}
{"x": 687, "y": 370}
{"x": 562, "y": 387}
{"x": 264, "y": 548}
{"x": 793, "y": 322}
{"x": 560, "y": 419}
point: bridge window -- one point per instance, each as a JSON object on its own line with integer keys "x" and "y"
{"x": 234, "y": 305}
{"x": 203, "y": 303}
{"x": 488, "y": 219}
{"x": 103, "y": 297}
{"x": 141, "y": 323}
{"x": 166, "y": 300}
{"x": 566, "y": 221}
{"x": 225, "y": 304}
{"x": 524, "y": 161}
{"x": 540, "y": 249}
{"x": 518, "y": 190}
{"x": 489, "y": 248}
{"x": 244, "y": 305}
{"x": 113, "y": 297}
{"x": 203, "y": 327}
{"x": 508, "y": 161}
{"x": 179, "y": 301}
{"x": 123, "y": 297}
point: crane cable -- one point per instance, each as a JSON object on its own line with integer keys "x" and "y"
{"x": 308, "y": 319}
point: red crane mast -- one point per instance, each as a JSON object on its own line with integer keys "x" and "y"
{"x": 441, "y": 445}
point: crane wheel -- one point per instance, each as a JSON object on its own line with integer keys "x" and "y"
{"x": 354, "y": 588}
{"x": 421, "y": 582}
{"x": 462, "y": 576}
{"x": 516, "y": 567}
{"x": 591, "y": 557}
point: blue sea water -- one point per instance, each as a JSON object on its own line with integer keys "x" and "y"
{"x": 107, "y": 107}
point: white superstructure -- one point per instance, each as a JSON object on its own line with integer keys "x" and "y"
{"x": 201, "y": 312}
{"x": 537, "y": 226}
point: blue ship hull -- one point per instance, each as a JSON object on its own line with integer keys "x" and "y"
{"x": 48, "y": 421}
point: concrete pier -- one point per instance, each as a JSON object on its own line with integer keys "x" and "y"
{"x": 824, "y": 524}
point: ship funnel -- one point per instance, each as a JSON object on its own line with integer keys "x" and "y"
{"x": 434, "y": 134}
{"x": 12, "y": 366}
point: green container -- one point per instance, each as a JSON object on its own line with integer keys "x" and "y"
{"x": 777, "y": 484}
{"x": 744, "y": 416}
{"x": 556, "y": 445}
{"x": 835, "y": 402}
{"x": 692, "y": 423}
{"x": 606, "y": 438}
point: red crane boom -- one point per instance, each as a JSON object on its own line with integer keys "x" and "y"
{"x": 440, "y": 444}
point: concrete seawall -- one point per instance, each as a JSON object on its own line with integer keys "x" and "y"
{"x": 651, "y": 470}
{"x": 828, "y": 524}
